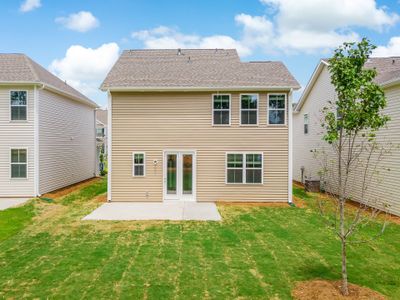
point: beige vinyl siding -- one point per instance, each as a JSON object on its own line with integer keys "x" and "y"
{"x": 153, "y": 122}
{"x": 66, "y": 141}
{"x": 16, "y": 134}
{"x": 386, "y": 189}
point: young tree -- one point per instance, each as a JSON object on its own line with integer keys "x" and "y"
{"x": 350, "y": 124}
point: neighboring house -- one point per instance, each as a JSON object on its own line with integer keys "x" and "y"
{"x": 47, "y": 130}
{"x": 101, "y": 133}
{"x": 198, "y": 125}
{"x": 307, "y": 132}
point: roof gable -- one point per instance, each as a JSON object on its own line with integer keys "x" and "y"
{"x": 19, "y": 68}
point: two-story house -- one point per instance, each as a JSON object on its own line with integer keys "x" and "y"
{"x": 383, "y": 188}
{"x": 198, "y": 125}
{"x": 47, "y": 130}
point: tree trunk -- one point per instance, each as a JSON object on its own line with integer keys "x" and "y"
{"x": 344, "y": 288}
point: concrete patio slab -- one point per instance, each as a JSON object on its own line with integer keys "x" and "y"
{"x": 11, "y": 202}
{"x": 175, "y": 211}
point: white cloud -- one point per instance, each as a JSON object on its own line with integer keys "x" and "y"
{"x": 29, "y": 5}
{"x": 82, "y": 21}
{"x": 312, "y": 25}
{"x": 392, "y": 48}
{"x": 85, "y": 68}
{"x": 165, "y": 38}
{"x": 288, "y": 26}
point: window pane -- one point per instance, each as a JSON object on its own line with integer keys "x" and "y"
{"x": 18, "y": 171}
{"x": 171, "y": 173}
{"x": 253, "y": 160}
{"x": 18, "y": 98}
{"x": 305, "y": 128}
{"x": 249, "y": 117}
{"x": 139, "y": 158}
{"x": 235, "y": 176}
{"x": 187, "y": 174}
{"x": 221, "y": 102}
{"x": 139, "y": 170}
{"x": 18, "y": 113}
{"x": 235, "y": 160}
{"x": 276, "y": 117}
{"x": 276, "y": 101}
{"x": 14, "y": 155}
{"x": 22, "y": 155}
{"x": 249, "y": 101}
{"x": 221, "y": 117}
{"x": 253, "y": 176}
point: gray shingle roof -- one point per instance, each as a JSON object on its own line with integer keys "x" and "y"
{"x": 388, "y": 68}
{"x": 16, "y": 68}
{"x": 194, "y": 68}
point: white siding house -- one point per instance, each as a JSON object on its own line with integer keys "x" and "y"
{"x": 47, "y": 130}
{"x": 307, "y": 131}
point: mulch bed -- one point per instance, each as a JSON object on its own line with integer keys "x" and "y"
{"x": 330, "y": 290}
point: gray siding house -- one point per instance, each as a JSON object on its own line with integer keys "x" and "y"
{"x": 47, "y": 130}
{"x": 307, "y": 131}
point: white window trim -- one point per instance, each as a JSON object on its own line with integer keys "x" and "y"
{"x": 11, "y": 163}
{"x": 244, "y": 168}
{"x": 308, "y": 123}
{"x": 27, "y": 106}
{"x": 286, "y": 110}
{"x": 212, "y": 108}
{"x": 250, "y": 109}
{"x": 133, "y": 164}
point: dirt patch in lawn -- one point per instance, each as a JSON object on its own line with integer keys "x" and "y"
{"x": 330, "y": 290}
{"x": 71, "y": 188}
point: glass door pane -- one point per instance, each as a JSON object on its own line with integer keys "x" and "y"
{"x": 187, "y": 174}
{"x": 171, "y": 173}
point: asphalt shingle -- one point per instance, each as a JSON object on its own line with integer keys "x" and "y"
{"x": 204, "y": 68}
{"x": 15, "y": 68}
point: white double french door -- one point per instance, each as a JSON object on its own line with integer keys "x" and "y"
{"x": 179, "y": 175}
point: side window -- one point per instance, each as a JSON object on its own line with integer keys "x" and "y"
{"x": 19, "y": 163}
{"x": 276, "y": 109}
{"x": 249, "y": 109}
{"x": 244, "y": 168}
{"x": 221, "y": 110}
{"x": 306, "y": 122}
{"x": 138, "y": 164}
{"x": 18, "y": 101}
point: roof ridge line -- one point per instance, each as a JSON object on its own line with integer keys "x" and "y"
{"x": 28, "y": 61}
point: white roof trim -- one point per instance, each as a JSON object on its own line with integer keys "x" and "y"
{"x": 322, "y": 63}
{"x": 190, "y": 89}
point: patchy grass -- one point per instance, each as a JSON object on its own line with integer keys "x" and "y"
{"x": 255, "y": 253}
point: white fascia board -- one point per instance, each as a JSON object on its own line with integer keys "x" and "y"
{"x": 200, "y": 89}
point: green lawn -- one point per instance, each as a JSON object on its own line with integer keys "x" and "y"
{"x": 255, "y": 253}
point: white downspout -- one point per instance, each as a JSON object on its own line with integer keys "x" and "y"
{"x": 290, "y": 159}
{"x": 96, "y": 173}
{"x": 36, "y": 180}
{"x": 109, "y": 145}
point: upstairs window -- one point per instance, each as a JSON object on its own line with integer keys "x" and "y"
{"x": 221, "y": 110}
{"x": 138, "y": 164}
{"x": 18, "y": 105}
{"x": 249, "y": 109}
{"x": 306, "y": 121}
{"x": 276, "y": 109}
{"x": 244, "y": 168}
{"x": 19, "y": 163}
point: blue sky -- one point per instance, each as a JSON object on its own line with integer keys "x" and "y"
{"x": 79, "y": 40}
